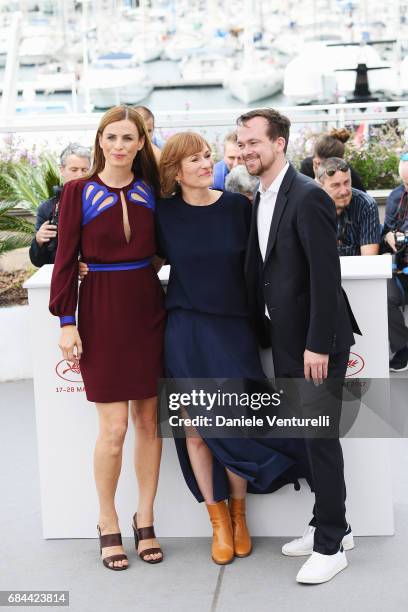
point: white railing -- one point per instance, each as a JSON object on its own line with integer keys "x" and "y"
{"x": 336, "y": 114}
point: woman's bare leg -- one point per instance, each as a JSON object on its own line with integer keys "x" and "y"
{"x": 148, "y": 448}
{"x": 113, "y": 421}
{"x": 238, "y": 485}
{"x": 201, "y": 460}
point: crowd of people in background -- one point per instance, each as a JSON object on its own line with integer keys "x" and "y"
{"x": 359, "y": 231}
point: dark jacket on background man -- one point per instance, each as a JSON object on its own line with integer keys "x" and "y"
{"x": 41, "y": 255}
{"x": 391, "y": 221}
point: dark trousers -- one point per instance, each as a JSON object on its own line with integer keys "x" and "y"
{"x": 325, "y": 457}
{"x": 397, "y": 330}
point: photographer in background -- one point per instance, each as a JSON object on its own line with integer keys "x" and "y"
{"x": 395, "y": 236}
{"x": 75, "y": 162}
{"x": 358, "y": 222}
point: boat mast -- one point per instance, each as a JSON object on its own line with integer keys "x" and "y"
{"x": 85, "y": 57}
{"x": 248, "y": 35}
{"x": 8, "y": 102}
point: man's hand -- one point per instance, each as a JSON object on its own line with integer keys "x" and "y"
{"x": 46, "y": 233}
{"x": 70, "y": 343}
{"x": 316, "y": 366}
{"x": 82, "y": 270}
{"x": 390, "y": 239}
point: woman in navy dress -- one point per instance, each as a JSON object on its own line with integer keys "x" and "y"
{"x": 202, "y": 234}
{"x": 108, "y": 218}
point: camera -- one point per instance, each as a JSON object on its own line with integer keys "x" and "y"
{"x": 401, "y": 257}
{"x": 52, "y": 245}
{"x": 401, "y": 241}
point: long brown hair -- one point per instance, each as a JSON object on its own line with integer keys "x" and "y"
{"x": 177, "y": 147}
{"x": 144, "y": 165}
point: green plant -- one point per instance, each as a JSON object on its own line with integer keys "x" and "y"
{"x": 27, "y": 185}
{"x": 375, "y": 157}
{"x": 15, "y": 232}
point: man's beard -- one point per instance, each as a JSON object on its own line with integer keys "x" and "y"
{"x": 342, "y": 206}
{"x": 262, "y": 168}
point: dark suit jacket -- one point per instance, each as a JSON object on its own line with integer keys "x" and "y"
{"x": 300, "y": 280}
{"x": 41, "y": 255}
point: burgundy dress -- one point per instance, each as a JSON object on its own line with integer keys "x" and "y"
{"x": 120, "y": 308}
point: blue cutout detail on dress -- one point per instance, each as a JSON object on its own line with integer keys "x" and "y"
{"x": 94, "y": 196}
{"x": 140, "y": 189}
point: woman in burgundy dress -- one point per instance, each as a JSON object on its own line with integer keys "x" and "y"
{"x": 108, "y": 218}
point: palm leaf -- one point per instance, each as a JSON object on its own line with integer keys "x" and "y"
{"x": 10, "y": 242}
{"x": 28, "y": 186}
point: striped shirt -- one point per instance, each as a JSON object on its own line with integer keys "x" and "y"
{"x": 358, "y": 224}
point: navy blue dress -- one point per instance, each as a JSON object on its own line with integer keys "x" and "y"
{"x": 209, "y": 334}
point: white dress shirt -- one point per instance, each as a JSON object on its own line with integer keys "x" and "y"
{"x": 266, "y": 207}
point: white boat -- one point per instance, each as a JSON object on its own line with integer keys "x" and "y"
{"x": 146, "y": 48}
{"x": 316, "y": 74}
{"x": 183, "y": 45}
{"x": 109, "y": 87}
{"x": 211, "y": 69}
{"x": 404, "y": 75}
{"x": 3, "y": 53}
{"x": 36, "y": 50}
{"x": 257, "y": 78}
{"x": 254, "y": 83}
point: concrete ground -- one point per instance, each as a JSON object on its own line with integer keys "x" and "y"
{"x": 375, "y": 581}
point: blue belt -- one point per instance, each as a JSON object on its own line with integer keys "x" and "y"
{"x": 110, "y": 267}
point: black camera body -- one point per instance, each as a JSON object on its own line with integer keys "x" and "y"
{"x": 401, "y": 256}
{"x": 52, "y": 245}
{"x": 401, "y": 241}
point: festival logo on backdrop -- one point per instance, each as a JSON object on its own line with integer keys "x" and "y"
{"x": 355, "y": 365}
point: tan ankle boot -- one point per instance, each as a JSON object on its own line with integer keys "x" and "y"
{"x": 222, "y": 550}
{"x": 242, "y": 539}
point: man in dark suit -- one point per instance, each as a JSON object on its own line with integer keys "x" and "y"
{"x": 299, "y": 309}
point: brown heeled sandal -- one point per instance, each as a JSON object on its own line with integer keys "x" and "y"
{"x": 145, "y": 533}
{"x": 112, "y": 539}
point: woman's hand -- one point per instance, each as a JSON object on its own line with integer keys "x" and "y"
{"x": 70, "y": 343}
{"x": 82, "y": 270}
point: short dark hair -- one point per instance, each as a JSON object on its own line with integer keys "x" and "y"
{"x": 278, "y": 125}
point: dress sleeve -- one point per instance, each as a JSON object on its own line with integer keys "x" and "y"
{"x": 64, "y": 282}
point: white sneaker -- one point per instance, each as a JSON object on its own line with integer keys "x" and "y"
{"x": 304, "y": 545}
{"x": 321, "y": 568}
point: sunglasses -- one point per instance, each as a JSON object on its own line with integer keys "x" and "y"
{"x": 331, "y": 169}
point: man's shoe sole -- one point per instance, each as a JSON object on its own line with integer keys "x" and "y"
{"x": 399, "y": 369}
{"x": 346, "y": 546}
{"x": 326, "y": 579}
